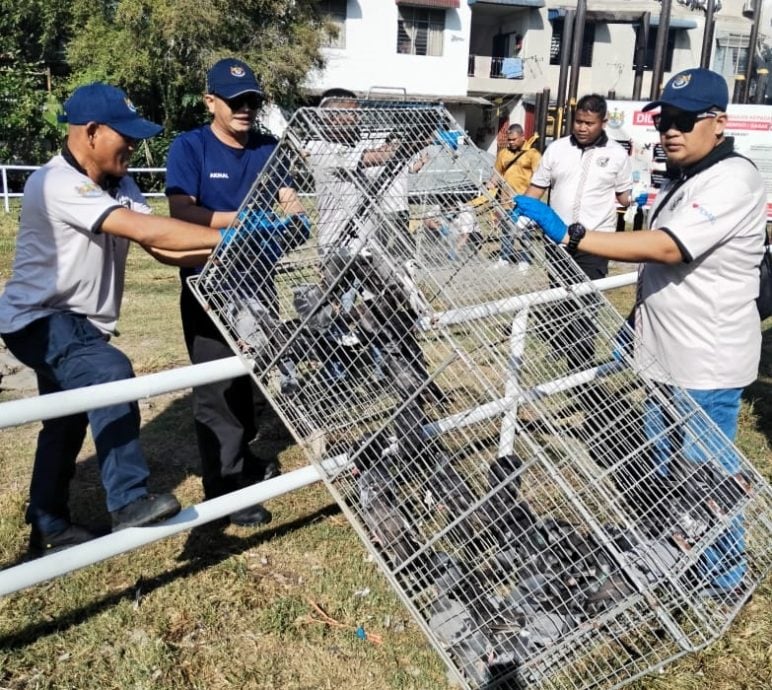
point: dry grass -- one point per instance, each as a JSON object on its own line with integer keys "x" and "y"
{"x": 230, "y": 608}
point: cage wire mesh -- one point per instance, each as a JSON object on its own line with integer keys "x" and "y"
{"x": 551, "y": 515}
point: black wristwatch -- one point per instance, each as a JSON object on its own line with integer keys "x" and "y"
{"x": 576, "y": 233}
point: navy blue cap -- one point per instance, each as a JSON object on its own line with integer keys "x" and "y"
{"x": 694, "y": 90}
{"x": 107, "y": 105}
{"x": 229, "y": 78}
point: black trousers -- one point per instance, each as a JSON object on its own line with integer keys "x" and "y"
{"x": 573, "y": 329}
{"x": 224, "y": 412}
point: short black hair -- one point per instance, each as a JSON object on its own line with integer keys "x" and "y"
{"x": 593, "y": 103}
{"x": 338, "y": 92}
{"x": 516, "y": 129}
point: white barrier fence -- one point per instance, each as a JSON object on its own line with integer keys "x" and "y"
{"x": 7, "y": 194}
{"x": 54, "y": 405}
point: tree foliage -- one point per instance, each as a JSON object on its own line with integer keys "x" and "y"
{"x": 166, "y": 46}
{"x": 157, "y": 50}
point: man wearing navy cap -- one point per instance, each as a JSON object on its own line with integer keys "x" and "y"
{"x": 61, "y": 305}
{"x": 696, "y": 320}
{"x": 210, "y": 171}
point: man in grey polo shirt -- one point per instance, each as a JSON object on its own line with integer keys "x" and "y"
{"x": 59, "y": 309}
{"x": 696, "y": 308}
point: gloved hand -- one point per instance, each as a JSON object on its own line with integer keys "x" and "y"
{"x": 269, "y": 234}
{"x": 541, "y": 213}
{"x": 642, "y": 199}
{"x": 297, "y": 231}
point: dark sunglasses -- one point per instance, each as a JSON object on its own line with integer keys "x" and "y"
{"x": 683, "y": 120}
{"x": 251, "y": 100}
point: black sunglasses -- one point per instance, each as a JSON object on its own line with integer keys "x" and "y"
{"x": 683, "y": 120}
{"x": 251, "y": 100}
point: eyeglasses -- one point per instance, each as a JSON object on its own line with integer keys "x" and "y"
{"x": 250, "y": 99}
{"x": 682, "y": 120}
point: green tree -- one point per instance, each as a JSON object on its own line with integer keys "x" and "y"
{"x": 33, "y": 34}
{"x": 159, "y": 50}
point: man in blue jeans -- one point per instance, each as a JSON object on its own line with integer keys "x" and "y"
{"x": 61, "y": 305}
{"x": 696, "y": 320}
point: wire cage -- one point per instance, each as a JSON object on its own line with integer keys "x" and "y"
{"x": 552, "y": 511}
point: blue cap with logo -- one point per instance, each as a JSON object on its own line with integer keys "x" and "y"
{"x": 694, "y": 90}
{"x": 229, "y": 78}
{"x": 107, "y": 105}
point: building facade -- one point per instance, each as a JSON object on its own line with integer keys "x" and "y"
{"x": 487, "y": 58}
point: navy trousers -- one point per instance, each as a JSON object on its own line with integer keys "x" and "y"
{"x": 67, "y": 351}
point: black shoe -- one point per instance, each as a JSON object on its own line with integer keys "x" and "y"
{"x": 271, "y": 469}
{"x": 258, "y": 471}
{"x": 251, "y": 517}
{"x": 42, "y": 543}
{"x": 149, "y": 508}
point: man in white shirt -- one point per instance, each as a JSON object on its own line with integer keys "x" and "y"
{"x": 696, "y": 310}
{"x": 588, "y": 175}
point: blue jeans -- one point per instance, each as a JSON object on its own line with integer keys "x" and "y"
{"x": 67, "y": 351}
{"x": 723, "y": 562}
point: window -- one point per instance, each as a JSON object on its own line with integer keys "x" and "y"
{"x": 731, "y": 56}
{"x": 558, "y": 24}
{"x": 648, "y": 59}
{"x": 333, "y": 12}
{"x": 420, "y": 31}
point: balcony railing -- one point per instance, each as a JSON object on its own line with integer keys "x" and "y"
{"x": 490, "y": 67}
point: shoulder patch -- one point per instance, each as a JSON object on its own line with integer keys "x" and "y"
{"x": 89, "y": 189}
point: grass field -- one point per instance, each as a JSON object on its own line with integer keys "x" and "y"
{"x": 234, "y": 608}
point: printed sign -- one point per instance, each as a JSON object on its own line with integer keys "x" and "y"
{"x": 750, "y": 125}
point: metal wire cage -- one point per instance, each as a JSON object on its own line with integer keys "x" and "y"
{"x": 552, "y": 511}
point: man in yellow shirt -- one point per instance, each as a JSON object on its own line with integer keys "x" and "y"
{"x": 516, "y": 163}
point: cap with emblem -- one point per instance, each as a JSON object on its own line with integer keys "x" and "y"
{"x": 107, "y": 105}
{"x": 694, "y": 90}
{"x": 229, "y": 78}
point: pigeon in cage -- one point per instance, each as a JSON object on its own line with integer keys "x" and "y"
{"x": 455, "y": 628}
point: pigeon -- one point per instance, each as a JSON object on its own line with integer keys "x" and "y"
{"x": 455, "y": 629}
{"x": 251, "y": 324}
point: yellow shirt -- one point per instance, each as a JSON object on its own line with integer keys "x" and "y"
{"x": 518, "y": 174}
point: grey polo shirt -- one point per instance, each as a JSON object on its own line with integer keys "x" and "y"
{"x": 63, "y": 262}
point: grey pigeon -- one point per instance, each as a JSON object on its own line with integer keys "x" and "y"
{"x": 454, "y": 627}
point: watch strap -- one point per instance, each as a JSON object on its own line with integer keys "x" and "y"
{"x": 576, "y": 233}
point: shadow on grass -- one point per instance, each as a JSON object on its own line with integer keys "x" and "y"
{"x": 206, "y": 546}
{"x": 759, "y": 393}
{"x": 169, "y": 442}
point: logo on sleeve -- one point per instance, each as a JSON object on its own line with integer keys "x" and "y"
{"x": 89, "y": 189}
{"x": 705, "y": 213}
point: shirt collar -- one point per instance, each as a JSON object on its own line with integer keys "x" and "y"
{"x": 111, "y": 182}
{"x": 602, "y": 140}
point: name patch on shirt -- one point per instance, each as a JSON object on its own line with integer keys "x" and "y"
{"x": 218, "y": 176}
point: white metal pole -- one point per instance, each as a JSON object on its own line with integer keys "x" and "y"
{"x": 102, "y": 548}
{"x": 66, "y": 403}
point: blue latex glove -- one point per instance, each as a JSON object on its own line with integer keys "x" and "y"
{"x": 269, "y": 234}
{"x": 543, "y": 215}
{"x": 449, "y": 138}
{"x": 642, "y": 199}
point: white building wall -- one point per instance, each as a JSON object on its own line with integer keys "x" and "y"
{"x": 370, "y": 58}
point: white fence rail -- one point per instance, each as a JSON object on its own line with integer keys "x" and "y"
{"x": 54, "y": 405}
{"x": 7, "y": 194}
